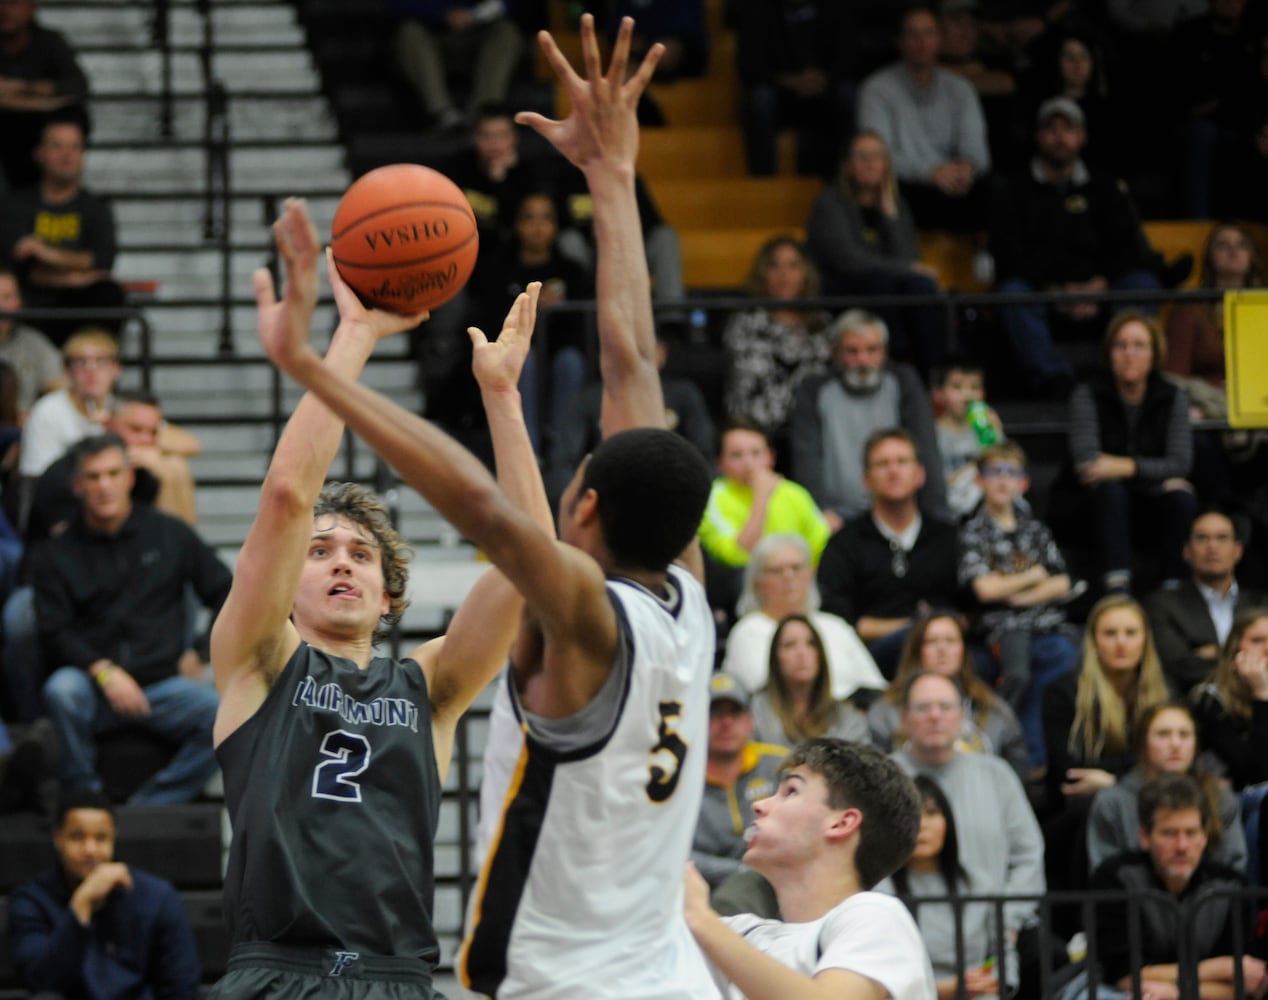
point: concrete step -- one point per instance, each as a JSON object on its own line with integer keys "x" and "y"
{"x": 126, "y": 25}
{"x": 289, "y": 169}
{"x": 142, "y": 72}
{"x": 180, "y": 220}
{"x": 136, "y": 120}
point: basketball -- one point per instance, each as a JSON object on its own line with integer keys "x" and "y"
{"x": 404, "y": 238}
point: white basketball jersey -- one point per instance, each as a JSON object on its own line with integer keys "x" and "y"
{"x": 581, "y": 892}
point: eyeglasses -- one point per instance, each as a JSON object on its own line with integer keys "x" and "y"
{"x": 92, "y": 361}
{"x": 784, "y": 569}
{"x": 997, "y": 471}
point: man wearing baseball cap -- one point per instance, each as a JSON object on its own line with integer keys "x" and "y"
{"x": 1060, "y": 227}
{"x": 738, "y": 773}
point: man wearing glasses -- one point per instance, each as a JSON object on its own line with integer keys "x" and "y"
{"x": 891, "y": 563}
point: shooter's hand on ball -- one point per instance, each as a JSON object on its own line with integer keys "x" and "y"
{"x": 284, "y": 324}
{"x": 497, "y": 364}
{"x": 599, "y": 128}
{"x": 354, "y": 316}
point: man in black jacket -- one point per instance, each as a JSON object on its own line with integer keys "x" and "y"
{"x": 1059, "y": 227}
{"x": 111, "y": 611}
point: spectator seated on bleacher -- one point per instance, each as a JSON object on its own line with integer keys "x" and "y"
{"x": 959, "y": 384}
{"x": 1131, "y": 449}
{"x": 772, "y": 349}
{"x": 39, "y": 75}
{"x": 937, "y": 643}
{"x": 110, "y": 605}
{"x": 1231, "y": 708}
{"x": 936, "y": 870}
{"x": 475, "y": 40}
{"x": 932, "y": 121}
{"x": 747, "y": 502}
{"x": 893, "y": 560}
{"x": 778, "y": 582}
{"x": 680, "y": 25}
{"x": 1172, "y": 859}
{"x": 834, "y": 415}
{"x": 861, "y": 235}
{"x": 60, "y": 237}
{"x": 1192, "y": 622}
{"x": 35, "y": 362}
{"x": 1001, "y": 847}
{"x": 1089, "y": 719}
{"x": 533, "y": 254}
{"x": 94, "y": 926}
{"x": 686, "y": 412}
{"x": 1060, "y": 227}
{"x": 1074, "y": 68}
{"x": 738, "y": 772}
{"x": 1166, "y": 742}
{"x": 797, "y": 703}
{"x": 795, "y": 62}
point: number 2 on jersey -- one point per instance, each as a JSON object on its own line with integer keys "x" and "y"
{"x": 349, "y": 755}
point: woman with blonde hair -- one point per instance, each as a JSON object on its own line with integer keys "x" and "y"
{"x": 937, "y": 643}
{"x": 1231, "y": 707}
{"x": 797, "y": 702}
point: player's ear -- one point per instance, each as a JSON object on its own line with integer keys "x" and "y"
{"x": 586, "y": 507}
{"x": 847, "y": 822}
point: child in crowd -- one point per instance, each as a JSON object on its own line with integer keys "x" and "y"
{"x": 1009, "y": 558}
{"x": 964, "y": 425}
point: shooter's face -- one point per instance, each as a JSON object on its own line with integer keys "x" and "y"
{"x": 341, "y": 589}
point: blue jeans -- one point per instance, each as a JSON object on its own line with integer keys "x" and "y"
{"x": 566, "y": 377}
{"x": 1030, "y": 662}
{"x": 1030, "y": 332}
{"x": 181, "y": 710}
{"x": 21, "y": 658}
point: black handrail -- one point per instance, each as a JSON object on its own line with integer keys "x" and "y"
{"x": 161, "y": 36}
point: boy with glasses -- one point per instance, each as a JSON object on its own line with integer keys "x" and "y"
{"x": 1009, "y": 558}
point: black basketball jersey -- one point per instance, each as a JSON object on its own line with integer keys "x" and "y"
{"x": 334, "y": 794}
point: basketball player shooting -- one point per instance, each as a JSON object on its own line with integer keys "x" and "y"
{"x": 333, "y": 758}
{"x": 581, "y": 894}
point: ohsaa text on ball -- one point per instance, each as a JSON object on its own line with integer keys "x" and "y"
{"x": 416, "y": 232}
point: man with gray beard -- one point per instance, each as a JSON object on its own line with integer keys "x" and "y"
{"x": 833, "y": 414}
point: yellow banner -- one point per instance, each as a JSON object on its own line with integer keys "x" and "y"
{"x": 1246, "y": 357}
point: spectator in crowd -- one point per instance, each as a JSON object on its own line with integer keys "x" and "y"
{"x": 61, "y": 237}
{"x": 60, "y": 418}
{"x": 771, "y": 349}
{"x": 749, "y": 501}
{"x": 556, "y": 365}
{"x": 1173, "y": 859}
{"x": 1195, "y": 330}
{"x": 834, "y": 414}
{"x": 1131, "y": 448}
{"x": 1231, "y": 708}
{"x": 991, "y": 68}
{"x": 679, "y": 25}
{"x": 1213, "y": 50}
{"x": 39, "y": 76}
{"x": 843, "y": 819}
{"x": 937, "y": 644}
{"x": 1001, "y": 847}
{"x": 959, "y": 384}
{"x": 1089, "y": 718}
{"x": 779, "y": 581}
{"x": 1166, "y": 742}
{"x": 580, "y": 433}
{"x": 861, "y": 235}
{"x": 111, "y": 607}
{"x": 1192, "y": 621}
{"x": 1019, "y": 577}
{"x": 935, "y": 870}
{"x": 933, "y": 123}
{"x": 797, "y": 702}
{"x": 739, "y": 772}
{"x": 1060, "y": 227}
{"x": 493, "y": 175}
{"x": 795, "y": 60}
{"x": 1240, "y": 191}
{"x": 1075, "y": 69}
{"x": 33, "y": 358}
{"x": 93, "y": 926}
{"x": 440, "y": 39}
{"x": 892, "y": 562}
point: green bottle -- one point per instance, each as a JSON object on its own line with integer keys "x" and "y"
{"x": 978, "y": 415}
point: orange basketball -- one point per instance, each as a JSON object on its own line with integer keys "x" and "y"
{"x": 404, "y": 237}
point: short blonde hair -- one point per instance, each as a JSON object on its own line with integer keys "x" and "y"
{"x": 91, "y": 336}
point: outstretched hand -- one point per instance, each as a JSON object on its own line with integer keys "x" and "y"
{"x": 284, "y": 323}
{"x": 497, "y": 364}
{"x": 602, "y": 127}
